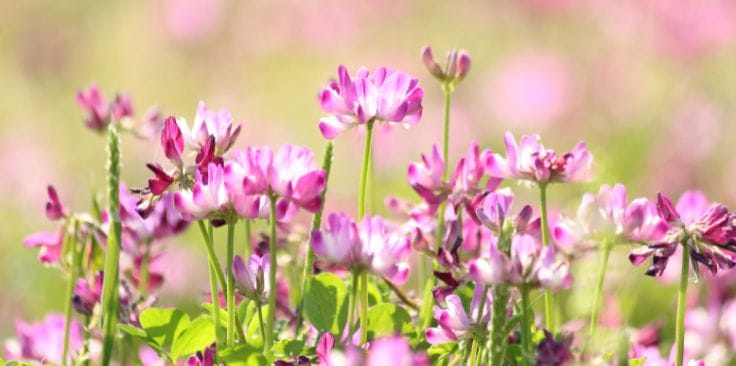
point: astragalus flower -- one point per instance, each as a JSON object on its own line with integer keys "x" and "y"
{"x": 87, "y": 295}
{"x": 381, "y": 95}
{"x": 371, "y": 246}
{"x": 456, "y": 67}
{"x": 609, "y": 216}
{"x": 207, "y": 122}
{"x": 706, "y": 231}
{"x": 100, "y": 112}
{"x": 43, "y": 341}
{"x": 251, "y": 279}
{"x": 455, "y": 323}
{"x": 531, "y": 161}
{"x": 208, "y": 197}
{"x": 51, "y": 244}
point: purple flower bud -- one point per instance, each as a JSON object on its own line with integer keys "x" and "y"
{"x": 54, "y": 209}
{"x": 432, "y": 66}
{"x": 122, "y": 107}
{"x": 161, "y": 180}
{"x": 96, "y": 107}
{"x": 86, "y": 295}
{"x": 252, "y": 279}
{"x": 172, "y": 140}
{"x": 463, "y": 65}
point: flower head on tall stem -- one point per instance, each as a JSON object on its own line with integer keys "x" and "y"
{"x": 207, "y": 122}
{"x": 456, "y": 67}
{"x": 530, "y": 160}
{"x": 251, "y": 279}
{"x": 381, "y": 95}
{"x": 371, "y": 245}
{"x": 706, "y": 231}
{"x": 455, "y": 323}
{"x": 609, "y": 216}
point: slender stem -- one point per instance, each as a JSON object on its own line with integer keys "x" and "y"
{"x": 447, "y": 89}
{"x": 352, "y": 301}
{"x": 230, "y": 282}
{"x": 272, "y": 280}
{"x": 401, "y": 295}
{"x": 145, "y": 267}
{"x": 681, "y": 295}
{"x": 484, "y": 295}
{"x": 86, "y": 335}
{"x": 260, "y": 321}
{"x": 473, "y": 353}
{"x": 364, "y": 171}
{"x": 112, "y": 256}
{"x": 499, "y": 337}
{"x": 364, "y": 307}
{"x": 526, "y": 319}
{"x": 208, "y": 240}
{"x": 316, "y": 223}
{"x": 215, "y": 300}
{"x": 598, "y": 296}
{"x": 76, "y": 257}
{"x": 468, "y": 350}
{"x": 548, "y": 296}
{"x": 248, "y": 244}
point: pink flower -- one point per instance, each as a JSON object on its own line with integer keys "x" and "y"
{"x": 532, "y": 264}
{"x": 707, "y": 231}
{"x": 210, "y": 123}
{"x": 394, "y": 351}
{"x": 382, "y": 95}
{"x": 426, "y": 177}
{"x": 208, "y": 197}
{"x": 86, "y": 295}
{"x": 43, "y": 341}
{"x": 295, "y": 176}
{"x": 496, "y": 211}
{"x": 140, "y": 227}
{"x": 456, "y": 68}
{"x": 50, "y": 243}
{"x": 455, "y": 323}
{"x": 54, "y": 209}
{"x": 122, "y": 107}
{"x": 251, "y": 279}
{"x": 609, "y": 216}
{"x": 96, "y": 106}
{"x": 172, "y": 140}
{"x": 203, "y": 358}
{"x": 530, "y": 160}
{"x": 371, "y": 246}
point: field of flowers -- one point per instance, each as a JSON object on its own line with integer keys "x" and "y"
{"x": 538, "y": 182}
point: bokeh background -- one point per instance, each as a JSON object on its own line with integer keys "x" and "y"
{"x": 650, "y": 85}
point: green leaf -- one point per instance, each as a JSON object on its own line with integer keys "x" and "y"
{"x": 223, "y": 313}
{"x": 388, "y": 319}
{"x": 374, "y": 295}
{"x": 199, "y": 334}
{"x": 637, "y": 361}
{"x": 141, "y": 335}
{"x": 164, "y": 325}
{"x": 325, "y": 302}
{"x": 288, "y": 348}
{"x": 242, "y": 355}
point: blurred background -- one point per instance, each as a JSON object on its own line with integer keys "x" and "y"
{"x": 650, "y": 86}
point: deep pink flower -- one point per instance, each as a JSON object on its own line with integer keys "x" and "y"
{"x": 54, "y": 209}
{"x": 96, "y": 106}
{"x": 552, "y": 352}
{"x": 456, "y": 67}
{"x": 43, "y": 341}
{"x": 122, "y": 107}
{"x": 172, "y": 141}
{"x": 530, "y": 160}
{"x": 455, "y": 323}
{"x": 295, "y": 176}
{"x": 426, "y": 176}
{"x": 161, "y": 181}
{"x": 495, "y": 211}
{"x": 382, "y": 95}
{"x": 86, "y": 295}
{"x": 609, "y": 216}
{"x": 203, "y": 358}
{"x": 370, "y": 245}
{"x": 252, "y": 278}
{"x": 50, "y": 243}
{"x": 707, "y": 231}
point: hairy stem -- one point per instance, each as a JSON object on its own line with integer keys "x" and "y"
{"x": 526, "y": 321}
{"x": 598, "y": 296}
{"x": 112, "y": 256}
{"x": 270, "y": 321}
{"x": 76, "y": 257}
{"x": 548, "y": 296}
{"x": 681, "y": 297}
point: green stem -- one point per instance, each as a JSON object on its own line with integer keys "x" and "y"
{"x": 364, "y": 308}
{"x": 479, "y": 319}
{"x": 598, "y": 296}
{"x": 215, "y": 300}
{"x": 112, "y": 256}
{"x": 316, "y": 224}
{"x": 208, "y": 241}
{"x": 473, "y": 353}
{"x": 468, "y": 350}
{"x": 86, "y": 335}
{"x": 548, "y": 296}
{"x": 352, "y": 301}
{"x": 260, "y": 321}
{"x": 499, "y": 315}
{"x": 272, "y": 280}
{"x": 76, "y": 257}
{"x": 526, "y": 321}
{"x": 364, "y": 170}
{"x": 681, "y": 297}
{"x": 248, "y": 244}
{"x": 230, "y": 282}
{"x": 447, "y": 89}
{"x": 145, "y": 263}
